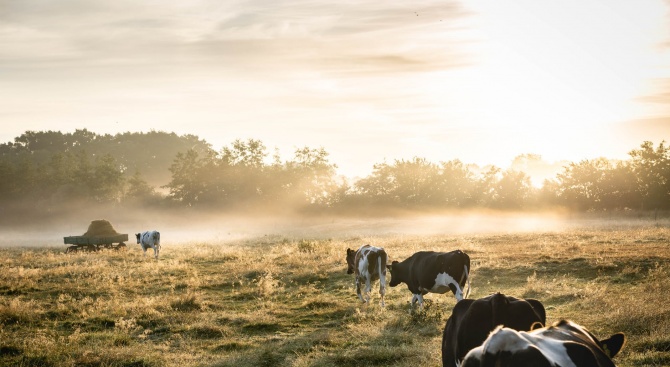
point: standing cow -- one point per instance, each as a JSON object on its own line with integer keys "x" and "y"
{"x": 369, "y": 264}
{"x": 471, "y": 321}
{"x": 432, "y": 272}
{"x": 149, "y": 239}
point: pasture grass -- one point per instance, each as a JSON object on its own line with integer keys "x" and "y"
{"x": 278, "y": 301}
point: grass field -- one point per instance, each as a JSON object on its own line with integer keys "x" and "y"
{"x": 287, "y": 301}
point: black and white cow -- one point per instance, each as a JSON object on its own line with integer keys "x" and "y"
{"x": 432, "y": 272}
{"x": 561, "y": 344}
{"x": 369, "y": 264}
{"x": 471, "y": 321}
{"x": 149, "y": 239}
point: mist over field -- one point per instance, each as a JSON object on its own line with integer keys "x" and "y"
{"x": 192, "y": 226}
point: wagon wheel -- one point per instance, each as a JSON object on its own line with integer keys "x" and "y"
{"x": 71, "y": 249}
{"x": 120, "y": 246}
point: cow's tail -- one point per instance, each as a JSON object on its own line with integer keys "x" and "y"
{"x": 157, "y": 238}
{"x": 467, "y": 277}
{"x": 381, "y": 263}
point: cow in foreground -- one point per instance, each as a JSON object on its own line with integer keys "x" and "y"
{"x": 369, "y": 264}
{"x": 432, "y": 272}
{"x": 149, "y": 239}
{"x": 472, "y": 321}
{"x": 561, "y": 344}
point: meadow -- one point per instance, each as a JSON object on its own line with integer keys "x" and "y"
{"x": 280, "y": 300}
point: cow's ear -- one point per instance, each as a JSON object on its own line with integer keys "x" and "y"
{"x": 612, "y": 346}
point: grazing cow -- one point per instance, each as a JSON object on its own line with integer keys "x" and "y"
{"x": 149, "y": 239}
{"x": 434, "y": 272}
{"x": 471, "y": 321}
{"x": 561, "y": 344}
{"x": 369, "y": 264}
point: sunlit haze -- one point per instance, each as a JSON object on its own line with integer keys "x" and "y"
{"x": 482, "y": 81}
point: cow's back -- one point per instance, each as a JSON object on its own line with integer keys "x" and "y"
{"x": 375, "y": 259}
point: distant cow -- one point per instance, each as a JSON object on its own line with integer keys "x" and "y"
{"x": 471, "y": 321}
{"x": 149, "y": 239}
{"x": 432, "y": 272}
{"x": 369, "y": 264}
{"x": 561, "y": 344}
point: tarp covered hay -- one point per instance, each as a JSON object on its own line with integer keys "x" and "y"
{"x": 100, "y": 228}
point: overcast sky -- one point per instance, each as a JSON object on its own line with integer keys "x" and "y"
{"x": 369, "y": 81}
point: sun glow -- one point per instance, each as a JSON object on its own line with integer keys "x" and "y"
{"x": 563, "y": 64}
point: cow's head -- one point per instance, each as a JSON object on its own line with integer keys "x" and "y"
{"x": 351, "y": 257}
{"x": 395, "y": 278}
{"x": 137, "y": 235}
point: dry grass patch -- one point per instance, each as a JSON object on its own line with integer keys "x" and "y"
{"x": 277, "y": 301}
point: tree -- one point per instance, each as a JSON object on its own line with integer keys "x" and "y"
{"x": 513, "y": 190}
{"x": 456, "y": 184}
{"x": 108, "y": 178}
{"x": 315, "y": 175}
{"x": 247, "y": 154}
{"x": 595, "y": 184}
{"x": 139, "y": 191}
{"x": 185, "y": 186}
{"x": 652, "y": 171}
{"x": 485, "y": 190}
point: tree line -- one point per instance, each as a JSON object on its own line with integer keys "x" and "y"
{"x": 47, "y": 169}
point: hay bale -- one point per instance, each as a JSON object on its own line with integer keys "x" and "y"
{"x": 100, "y": 228}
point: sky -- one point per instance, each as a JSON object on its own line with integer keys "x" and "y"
{"x": 482, "y": 81}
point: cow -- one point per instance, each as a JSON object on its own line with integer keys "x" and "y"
{"x": 149, "y": 239}
{"x": 471, "y": 321}
{"x": 432, "y": 272}
{"x": 564, "y": 343}
{"x": 369, "y": 264}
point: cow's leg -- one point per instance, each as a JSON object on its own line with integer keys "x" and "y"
{"x": 368, "y": 288}
{"x": 382, "y": 288}
{"x": 156, "y": 252}
{"x": 417, "y": 298}
{"x": 358, "y": 288}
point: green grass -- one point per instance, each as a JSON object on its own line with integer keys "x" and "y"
{"x": 276, "y": 301}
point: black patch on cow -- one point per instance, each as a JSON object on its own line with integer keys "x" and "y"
{"x": 582, "y": 355}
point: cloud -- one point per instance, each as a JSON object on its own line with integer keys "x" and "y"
{"x": 636, "y": 131}
{"x": 243, "y": 35}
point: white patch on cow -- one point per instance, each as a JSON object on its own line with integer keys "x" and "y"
{"x": 441, "y": 286}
